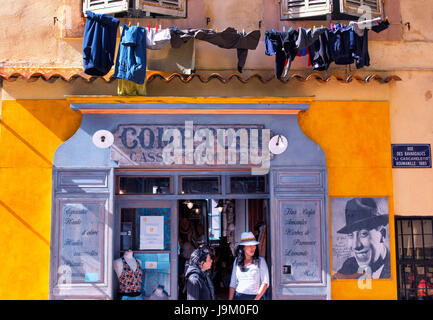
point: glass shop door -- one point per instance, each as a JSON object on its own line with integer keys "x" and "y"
{"x": 145, "y": 227}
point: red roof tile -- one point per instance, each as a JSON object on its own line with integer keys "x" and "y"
{"x": 70, "y": 74}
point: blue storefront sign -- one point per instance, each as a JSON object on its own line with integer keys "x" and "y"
{"x": 411, "y": 156}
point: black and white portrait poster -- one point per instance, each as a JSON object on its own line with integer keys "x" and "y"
{"x": 360, "y": 238}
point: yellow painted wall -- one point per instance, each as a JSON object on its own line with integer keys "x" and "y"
{"x": 30, "y": 132}
{"x": 356, "y": 139}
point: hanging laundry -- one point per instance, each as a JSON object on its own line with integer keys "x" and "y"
{"x": 341, "y": 43}
{"x": 320, "y": 56}
{"x": 360, "y": 49}
{"x": 376, "y": 26}
{"x": 129, "y": 88}
{"x": 286, "y": 45}
{"x": 174, "y": 60}
{"x": 157, "y": 39}
{"x": 99, "y": 43}
{"x": 227, "y": 39}
{"x": 131, "y": 58}
{"x": 382, "y": 25}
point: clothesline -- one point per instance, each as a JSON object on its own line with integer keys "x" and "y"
{"x": 341, "y": 44}
{"x": 159, "y": 26}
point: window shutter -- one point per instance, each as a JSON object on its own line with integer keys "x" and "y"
{"x": 351, "y": 7}
{"x": 294, "y": 9}
{"x": 105, "y": 6}
{"x": 173, "y": 8}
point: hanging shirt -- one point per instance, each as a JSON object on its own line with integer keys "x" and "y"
{"x": 249, "y": 280}
{"x": 130, "y": 281}
{"x": 227, "y": 39}
{"x": 99, "y": 43}
{"x": 320, "y": 56}
{"x": 341, "y": 43}
{"x": 131, "y": 58}
{"x": 157, "y": 40}
{"x": 360, "y": 49}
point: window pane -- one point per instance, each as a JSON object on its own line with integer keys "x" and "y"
{"x": 428, "y": 246}
{"x": 200, "y": 185}
{"x": 407, "y": 246}
{"x": 398, "y": 227}
{"x": 407, "y": 229}
{"x": 144, "y": 185}
{"x": 416, "y": 226}
{"x": 409, "y": 278}
{"x": 421, "y": 282}
{"x": 127, "y": 229}
{"x": 253, "y": 184}
{"x": 400, "y": 247}
{"x": 419, "y": 253}
{"x": 427, "y": 226}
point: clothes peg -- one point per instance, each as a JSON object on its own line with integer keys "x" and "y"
{"x": 332, "y": 27}
{"x": 216, "y": 30}
{"x": 243, "y": 31}
{"x": 284, "y": 28}
{"x": 290, "y": 29}
{"x": 149, "y": 27}
{"x": 160, "y": 27}
{"x": 314, "y": 27}
{"x": 129, "y": 24}
{"x": 156, "y": 28}
{"x": 138, "y": 24}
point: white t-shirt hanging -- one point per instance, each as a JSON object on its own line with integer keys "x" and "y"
{"x": 157, "y": 40}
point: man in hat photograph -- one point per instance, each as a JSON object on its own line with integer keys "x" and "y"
{"x": 366, "y": 234}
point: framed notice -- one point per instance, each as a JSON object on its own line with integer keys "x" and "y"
{"x": 81, "y": 245}
{"x": 151, "y": 232}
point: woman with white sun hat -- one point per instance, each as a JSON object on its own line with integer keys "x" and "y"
{"x": 250, "y": 275}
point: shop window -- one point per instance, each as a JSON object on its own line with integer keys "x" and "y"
{"x": 137, "y": 8}
{"x": 248, "y": 184}
{"x": 144, "y": 185}
{"x": 415, "y": 258}
{"x": 325, "y": 9}
{"x": 200, "y": 185}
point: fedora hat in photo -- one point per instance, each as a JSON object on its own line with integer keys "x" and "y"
{"x": 362, "y": 213}
{"x": 248, "y": 239}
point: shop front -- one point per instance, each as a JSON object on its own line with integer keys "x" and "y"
{"x": 159, "y": 177}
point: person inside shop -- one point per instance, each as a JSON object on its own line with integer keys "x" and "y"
{"x": 250, "y": 274}
{"x": 366, "y": 229}
{"x": 199, "y": 285}
{"x": 130, "y": 275}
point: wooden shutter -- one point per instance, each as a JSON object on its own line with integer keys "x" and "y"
{"x": 351, "y": 7}
{"x": 294, "y": 9}
{"x": 172, "y": 8}
{"x": 105, "y": 6}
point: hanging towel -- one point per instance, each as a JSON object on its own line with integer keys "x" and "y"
{"x": 131, "y": 58}
{"x": 99, "y": 43}
{"x": 229, "y": 38}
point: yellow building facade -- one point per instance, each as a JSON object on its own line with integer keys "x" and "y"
{"x": 354, "y": 116}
